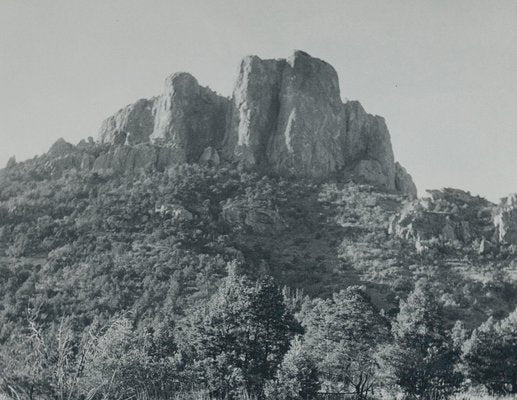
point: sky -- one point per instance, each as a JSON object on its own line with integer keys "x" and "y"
{"x": 442, "y": 73}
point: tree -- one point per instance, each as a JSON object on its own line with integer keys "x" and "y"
{"x": 343, "y": 334}
{"x": 296, "y": 377}
{"x": 126, "y": 363}
{"x": 422, "y": 358}
{"x": 490, "y": 355}
{"x": 239, "y": 338}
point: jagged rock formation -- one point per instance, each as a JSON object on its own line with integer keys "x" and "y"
{"x": 454, "y": 216}
{"x": 188, "y": 118}
{"x": 11, "y": 162}
{"x": 132, "y": 124}
{"x": 403, "y": 181}
{"x": 285, "y": 116}
{"x": 505, "y": 219}
{"x": 61, "y": 148}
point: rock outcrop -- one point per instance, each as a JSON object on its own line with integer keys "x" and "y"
{"x": 189, "y": 118}
{"x": 11, "y": 162}
{"x": 505, "y": 219}
{"x": 210, "y": 157}
{"x": 127, "y": 159}
{"x": 132, "y": 124}
{"x": 240, "y": 215}
{"x": 61, "y": 148}
{"x": 186, "y": 118}
{"x": 175, "y": 211}
{"x": 446, "y": 216}
{"x": 285, "y": 116}
{"x": 403, "y": 182}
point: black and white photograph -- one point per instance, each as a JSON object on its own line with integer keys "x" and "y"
{"x": 258, "y": 200}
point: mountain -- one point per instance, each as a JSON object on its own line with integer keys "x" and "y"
{"x": 282, "y": 176}
{"x": 143, "y": 225}
{"x": 285, "y": 116}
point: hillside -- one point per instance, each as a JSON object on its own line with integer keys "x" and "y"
{"x": 88, "y": 243}
{"x": 283, "y": 180}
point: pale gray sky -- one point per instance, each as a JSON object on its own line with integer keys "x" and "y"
{"x": 442, "y": 73}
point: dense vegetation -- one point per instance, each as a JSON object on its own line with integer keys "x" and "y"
{"x": 221, "y": 281}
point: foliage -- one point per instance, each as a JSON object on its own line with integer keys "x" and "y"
{"x": 123, "y": 364}
{"x": 146, "y": 248}
{"x": 490, "y": 355}
{"x": 343, "y": 333}
{"x": 44, "y": 364}
{"x": 240, "y": 337}
{"x": 422, "y": 358}
{"x": 296, "y": 377}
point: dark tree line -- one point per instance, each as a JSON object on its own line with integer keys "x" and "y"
{"x": 247, "y": 340}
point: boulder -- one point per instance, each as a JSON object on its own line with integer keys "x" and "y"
{"x": 176, "y": 211}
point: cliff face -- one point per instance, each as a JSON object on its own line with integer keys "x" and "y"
{"x": 284, "y": 116}
{"x": 505, "y": 219}
{"x": 287, "y": 116}
{"x": 132, "y": 124}
{"x": 188, "y": 118}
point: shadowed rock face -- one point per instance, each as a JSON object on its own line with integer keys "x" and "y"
{"x": 505, "y": 219}
{"x": 186, "y": 118}
{"x": 403, "y": 181}
{"x": 189, "y": 118}
{"x": 284, "y": 116}
{"x": 132, "y": 124}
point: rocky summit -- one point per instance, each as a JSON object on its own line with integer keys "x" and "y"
{"x": 285, "y": 116}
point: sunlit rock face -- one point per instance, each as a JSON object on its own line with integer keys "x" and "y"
{"x": 132, "y": 124}
{"x": 285, "y": 116}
